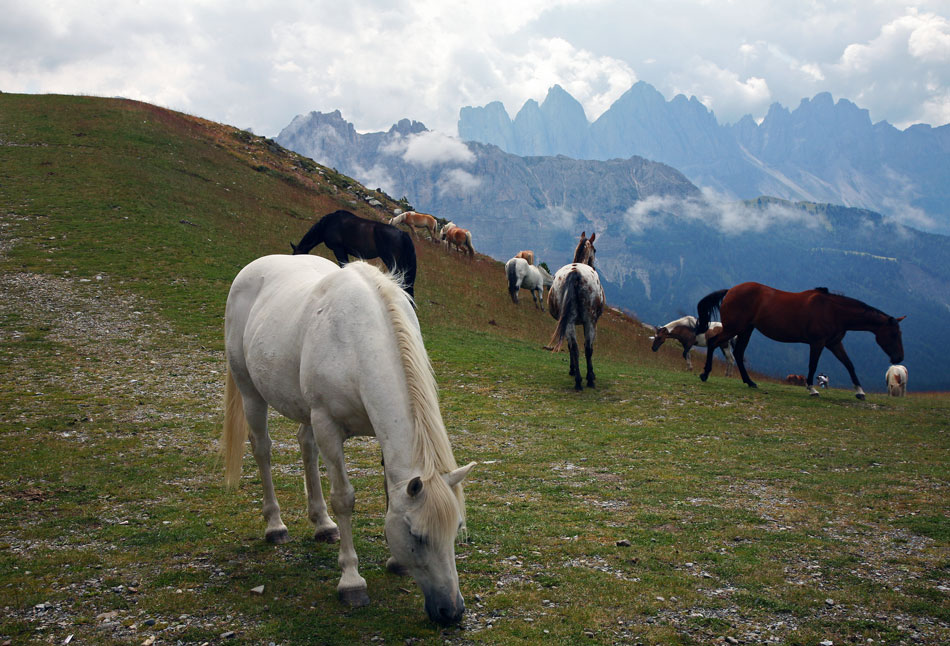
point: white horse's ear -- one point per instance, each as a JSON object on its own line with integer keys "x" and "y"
{"x": 415, "y": 487}
{"x": 454, "y": 477}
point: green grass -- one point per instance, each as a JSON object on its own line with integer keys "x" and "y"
{"x": 653, "y": 509}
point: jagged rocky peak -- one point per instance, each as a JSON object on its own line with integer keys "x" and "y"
{"x": 407, "y": 127}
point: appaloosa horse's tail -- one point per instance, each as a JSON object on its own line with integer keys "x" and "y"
{"x": 570, "y": 308}
{"x": 707, "y": 306}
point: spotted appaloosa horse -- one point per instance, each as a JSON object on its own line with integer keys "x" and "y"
{"x": 816, "y": 317}
{"x": 684, "y": 330}
{"x": 896, "y": 380}
{"x": 577, "y": 298}
{"x": 459, "y": 237}
{"x": 415, "y": 220}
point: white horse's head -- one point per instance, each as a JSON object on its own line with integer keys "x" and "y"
{"x": 422, "y": 523}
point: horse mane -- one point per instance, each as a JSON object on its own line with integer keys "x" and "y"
{"x": 853, "y": 302}
{"x": 431, "y": 447}
{"x": 580, "y": 252}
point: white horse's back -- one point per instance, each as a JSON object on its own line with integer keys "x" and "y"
{"x": 896, "y": 380}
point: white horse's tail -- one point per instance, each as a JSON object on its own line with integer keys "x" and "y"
{"x": 234, "y": 433}
{"x": 468, "y": 241}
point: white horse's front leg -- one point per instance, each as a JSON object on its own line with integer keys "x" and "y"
{"x": 256, "y": 413}
{"x": 325, "y": 529}
{"x": 352, "y": 587}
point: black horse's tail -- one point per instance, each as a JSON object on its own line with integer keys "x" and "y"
{"x": 707, "y": 306}
{"x": 407, "y": 262}
{"x": 512, "y": 271}
{"x": 570, "y": 306}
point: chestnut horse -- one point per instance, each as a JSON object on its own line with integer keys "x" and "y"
{"x": 461, "y": 238}
{"x": 527, "y": 254}
{"x": 576, "y": 297}
{"x": 414, "y": 220}
{"x": 816, "y": 317}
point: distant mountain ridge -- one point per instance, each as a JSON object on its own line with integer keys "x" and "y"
{"x": 661, "y": 243}
{"x": 820, "y": 152}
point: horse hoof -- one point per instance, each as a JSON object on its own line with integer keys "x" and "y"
{"x": 704, "y": 376}
{"x": 277, "y": 536}
{"x": 752, "y": 384}
{"x": 394, "y": 567}
{"x": 860, "y": 396}
{"x": 330, "y": 535}
{"x": 814, "y": 394}
{"x": 354, "y": 598}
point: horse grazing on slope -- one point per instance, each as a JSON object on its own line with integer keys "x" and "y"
{"x": 523, "y": 275}
{"x": 576, "y": 297}
{"x": 414, "y": 220}
{"x": 340, "y": 352}
{"x": 896, "y": 380}
{"x": 348, "y": 235}
{"x": 459, "y": 237}
{"x": 527, "y": 254}
{"x": 815, "y": 316}
{"x": 684, "y": 330}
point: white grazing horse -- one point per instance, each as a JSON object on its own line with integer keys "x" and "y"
{"x": 896, "y": 379}
{"x": 339, "y": 350}
{"x": 523, "y": 275}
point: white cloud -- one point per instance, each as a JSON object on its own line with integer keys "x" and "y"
{"x": 458, "y": 181}
{"x": 429, "y": 148}
{"x": 560, "y": 217}
{"x": 717, "y": 212}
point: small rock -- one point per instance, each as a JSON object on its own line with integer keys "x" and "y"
{"x": 623, "y": 542}
{"x": 258, "y": 590}
{"x": 827, "y": 642}
{"x": 829, "y": 602}
{"x": 228, "y": 635}
{"x": 731, "y": 640}
{"x": 149, "y": 622}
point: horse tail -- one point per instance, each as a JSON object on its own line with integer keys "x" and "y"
{"x": 234, "y": 433}
{"x": 468, "y": 242}
{"x": 569, "y": 309}
{"x": 407, "y": 263}
{"x": 707, "y": 306}
{"x": 511, "y": 268}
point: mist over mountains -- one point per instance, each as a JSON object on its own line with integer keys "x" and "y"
{"x": 662, "y": 241}
{"x": 821, "y": 151}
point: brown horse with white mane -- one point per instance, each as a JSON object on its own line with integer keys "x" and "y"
{"x": 816, "y": 317}
{"x": 415, "y": 220}
{"x": 576, "y": 297}
{"x": 459, "y": 237}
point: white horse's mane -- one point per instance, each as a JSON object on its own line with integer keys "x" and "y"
{"x": 431, "y": 447}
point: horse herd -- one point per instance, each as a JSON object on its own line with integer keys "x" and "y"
{"x": 338, "y": 349}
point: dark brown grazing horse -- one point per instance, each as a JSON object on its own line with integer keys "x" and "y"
{"x": 816, "y": 317}
{"x": 348, "y": 235}
{"x": 576, "y": 297}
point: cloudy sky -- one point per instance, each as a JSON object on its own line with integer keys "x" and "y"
{"x": 258, "y": 64}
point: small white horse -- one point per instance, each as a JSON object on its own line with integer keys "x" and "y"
{"x": 684, "y": 330}
{"x": 523, "y": 275}
{"x": 339, "y": 350}
{"x": 896, "y": 380}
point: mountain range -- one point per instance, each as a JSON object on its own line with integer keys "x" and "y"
{"x": 821, "y": 151}
{"x": 662, "y": 242}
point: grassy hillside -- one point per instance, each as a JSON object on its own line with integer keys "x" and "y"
{"x": 654, "y": 509}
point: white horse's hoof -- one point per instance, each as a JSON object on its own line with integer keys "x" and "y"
{"x": 328, "y": 535}
{"x": 277, "y": 536}
{"x": 354, "y": 598}
{"x": 860, "y": 396}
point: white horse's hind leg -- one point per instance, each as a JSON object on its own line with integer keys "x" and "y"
{"x": 325, "y": 529}
{"x": 255, "y": 410}
{"x": 352, "y": 587}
